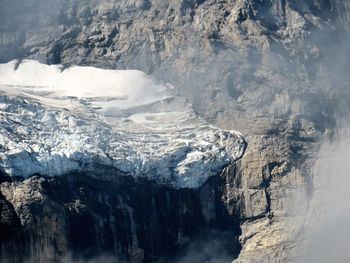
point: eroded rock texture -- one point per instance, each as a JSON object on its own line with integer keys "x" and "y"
{"x": 76, "y": 218}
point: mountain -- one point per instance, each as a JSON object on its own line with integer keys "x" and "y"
{"x": 274, "y": 70}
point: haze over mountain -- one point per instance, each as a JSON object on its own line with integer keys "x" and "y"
{"x": 275, "y": 71}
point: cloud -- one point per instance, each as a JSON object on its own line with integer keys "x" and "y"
{"x": 327, "y": 231}
{"x": 127, "y": 88}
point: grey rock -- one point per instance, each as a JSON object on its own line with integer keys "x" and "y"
{"x": 266, "y": 68}
{"x": 77, "y": 218}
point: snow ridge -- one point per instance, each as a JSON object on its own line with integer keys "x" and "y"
{"x": 84, "y": 119}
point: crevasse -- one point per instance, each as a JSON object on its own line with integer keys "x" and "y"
{"x": 84, "y": 119}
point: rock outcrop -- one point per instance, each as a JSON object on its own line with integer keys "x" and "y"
{"x": 78, "y": 218}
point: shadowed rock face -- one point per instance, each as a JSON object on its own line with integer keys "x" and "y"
{"x": 10, "y": 227}
{"x": 76, "y": 218}
{"x": 273, "y": 70}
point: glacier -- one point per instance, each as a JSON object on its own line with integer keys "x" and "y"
{"x": 57, "y": 120}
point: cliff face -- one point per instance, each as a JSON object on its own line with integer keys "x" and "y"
{"x": 266, "y": 68}
{"x": 74, "y": 217}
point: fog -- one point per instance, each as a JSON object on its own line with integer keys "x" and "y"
{"x": 127, "y": 88}
{"x": 213, "y": 247}
{"x": 326, "y": 233}
{"x": 325, "y": 236}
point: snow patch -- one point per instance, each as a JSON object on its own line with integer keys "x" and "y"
{"x": 84, "y": 119}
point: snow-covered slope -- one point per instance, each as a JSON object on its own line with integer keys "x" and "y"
{"x": 82, "y": 119}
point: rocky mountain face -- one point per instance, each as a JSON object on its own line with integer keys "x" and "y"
{"x": 76, "y": 219}
{"x": 273, "y": 70}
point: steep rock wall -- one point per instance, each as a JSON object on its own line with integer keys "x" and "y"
{"x": 266, "y": 67}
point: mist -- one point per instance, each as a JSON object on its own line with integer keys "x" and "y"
{"x": 127, "y": 88}
{"x": 326, "y": 234}
{"x": 210, "y": 247}
{"x": 256, "y": 92}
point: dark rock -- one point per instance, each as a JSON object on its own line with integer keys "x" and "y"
{"x": 82, "y": 218}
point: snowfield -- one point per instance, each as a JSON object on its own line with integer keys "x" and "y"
{"x": 84, "y": 119}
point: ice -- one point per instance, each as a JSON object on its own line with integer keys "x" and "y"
{"x": 84, "y": 119}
